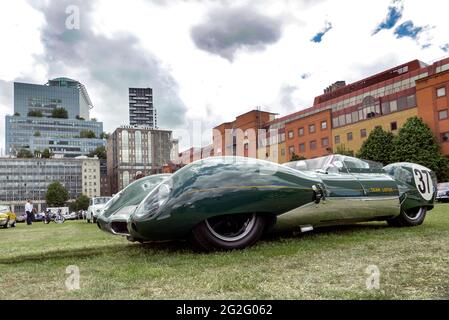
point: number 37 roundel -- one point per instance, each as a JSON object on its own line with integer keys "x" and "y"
{"x": 423, "y": 181}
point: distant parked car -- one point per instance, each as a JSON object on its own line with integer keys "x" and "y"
{"x": 95, "y": 206}
{"x": 443, "y": 192}
{"x": 70, "y": 216}
{"x": 39, "y": 216}
{"x": 7, "y": 217}
{"x": 21, "y": 217}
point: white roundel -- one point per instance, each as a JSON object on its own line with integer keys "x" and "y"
{"x": 423, "y": 181}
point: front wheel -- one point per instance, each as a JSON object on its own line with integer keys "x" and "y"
{"x": 229, "y": 232}
{"x": 409, "y": 218}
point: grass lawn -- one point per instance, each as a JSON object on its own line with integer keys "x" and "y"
{"x": 328, "y": 263}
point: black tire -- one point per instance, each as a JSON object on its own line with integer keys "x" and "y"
{"x": 13, "y": 224}
{"x": 410, "y": 218}
{"x": 94, "y": 220}
{"x": 228, "y": 232}
{"x": 88, "y": 220}
{"x": 6, "y": 224}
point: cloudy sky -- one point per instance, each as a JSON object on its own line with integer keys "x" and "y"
{"x": 208, "y": 61}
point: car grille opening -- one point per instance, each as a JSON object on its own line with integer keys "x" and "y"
{"x": 119, "y": 227}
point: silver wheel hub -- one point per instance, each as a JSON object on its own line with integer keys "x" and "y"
{"x": 231, "y": 228}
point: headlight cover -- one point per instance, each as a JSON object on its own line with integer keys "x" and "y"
{"x": 156, "y": 199}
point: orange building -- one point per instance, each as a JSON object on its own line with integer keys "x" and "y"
{"x": 309, "y": 136}
{"x": 344, "y": 114}
{"x": 240, "y": 137}
{"x": 433, "y": 105}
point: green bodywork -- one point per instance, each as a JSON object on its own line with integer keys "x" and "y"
{"x": 234, "y": 185}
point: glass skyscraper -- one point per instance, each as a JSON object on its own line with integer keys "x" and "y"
{"x": 64, "y": 137}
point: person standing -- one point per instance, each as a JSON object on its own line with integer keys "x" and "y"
{"x": 29, "y": 212}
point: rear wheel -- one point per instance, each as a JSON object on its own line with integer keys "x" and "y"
{"x": 409, "y": 218}
{"x": 6, "y": 226}
{"x": 228, "y": 232}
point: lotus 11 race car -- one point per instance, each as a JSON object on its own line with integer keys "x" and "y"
{"x": 230, "y": 202}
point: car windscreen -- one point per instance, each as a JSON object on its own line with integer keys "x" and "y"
{"x": 354, "y": 165}
{"x": 133, "y": 194}
{"x": 4, "y": 209}
{"x": 310, "y": 164}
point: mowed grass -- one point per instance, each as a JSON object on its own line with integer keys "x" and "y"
{"x": 328, "y": 263}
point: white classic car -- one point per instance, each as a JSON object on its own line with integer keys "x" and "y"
{"x": 95, "y": 206}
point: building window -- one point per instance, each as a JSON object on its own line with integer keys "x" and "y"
{"x": 335, "y": 123}
{"x": 311, "y": 128}
{"x": 393, "y": 106}
{"x": 290, "y": 134}
{"x": 291, "y": 150}
{"x": 282, "y": 152}
{"x": 442, "y": 115}
{"x": 323, "y": 125}
{"x": 441, "y": 92}
{"x": 394, "y": 126}
{"x": 363, "y": 133}
{"x": 313, "y": 145}
{"x": 302, "y": 147}
{"x": 325, "y": 142}
{"x": 445, "y": 136}
{"x": 245, "y": 146}
{"x": 282, "y": 137}
{"x": 301, "y": 131}
{"x": 349, "y": 136}
{"x": 337, "y": 139}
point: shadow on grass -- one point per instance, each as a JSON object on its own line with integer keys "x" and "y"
{"x": 173, "y": 247}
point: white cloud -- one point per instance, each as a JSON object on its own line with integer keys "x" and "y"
{"x": 214, "y": 89}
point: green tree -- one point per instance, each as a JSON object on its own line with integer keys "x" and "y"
{"x": 79, "y": 118}
{"x": 416, "y": 143}
{"x": 59, "y": 113}
{"x": 378, "y": 146}
{"x": 82, "y": 202}
{"x": 24, "y": 153}
{"x": 17, "y": 114}
{"x": 100, "y": 152}
{"x": 35, "y": 113}
{"x": 57, "y": 195}
{"x": 37, "y": 133}
{"x": 341, "y": 149}
{"x": 295, "y": 157}
{"x": 89, "y": 134}
{"x": 104, "y": 135}
{"x": 47, "y": 154}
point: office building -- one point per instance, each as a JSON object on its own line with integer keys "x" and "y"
{"x": 134, "y": 151}
{"x": 141, "y": 109}
{"x": 343, "y": 116}
{"x": 33, "y": 126}
{"x": 61, "y": 136}
{"x": 90, "y": 168}
{"x": 23, "y": 179}
{"x": 57, "y": 93}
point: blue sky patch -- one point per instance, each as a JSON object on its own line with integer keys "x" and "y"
{"x": 319, "y": 36}
{"x": 407, "y": 29}
{"x": 393, "y": 16}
